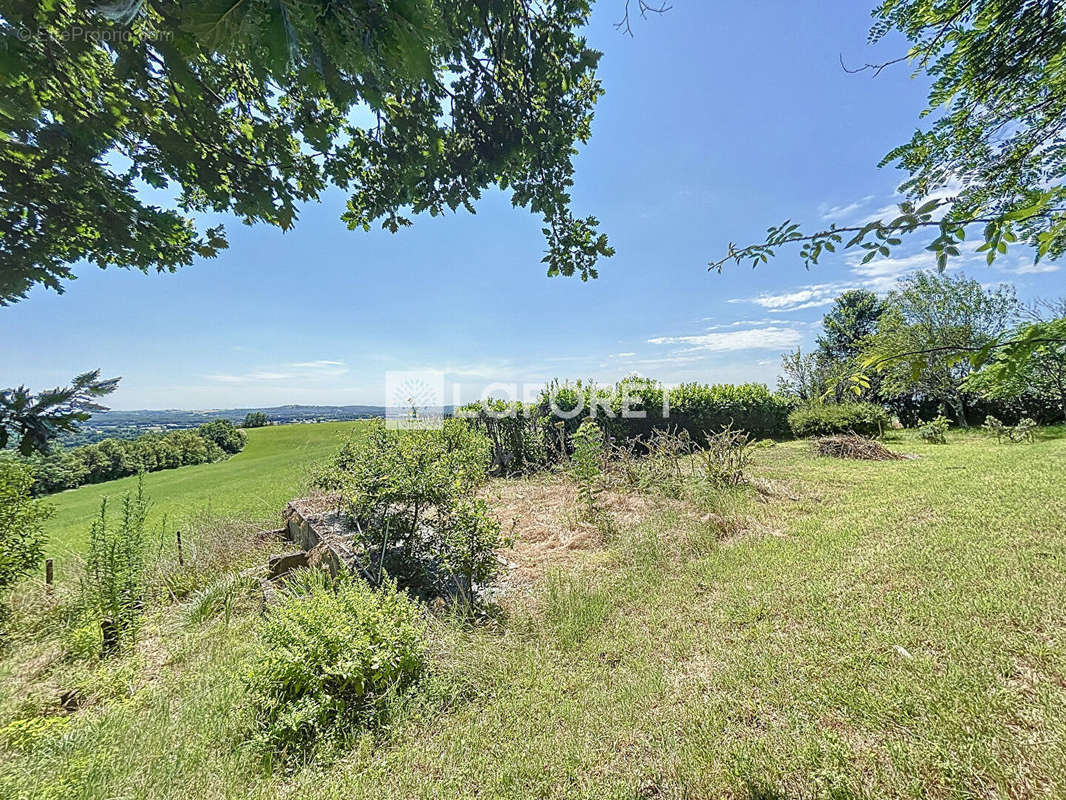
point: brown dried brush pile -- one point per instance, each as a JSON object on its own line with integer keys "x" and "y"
{"x": 853, "y": 446}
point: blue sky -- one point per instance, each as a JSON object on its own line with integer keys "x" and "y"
{"x": 719, "y": 120}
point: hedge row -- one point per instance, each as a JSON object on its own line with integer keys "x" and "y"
{"x": 865, "y": 419}
{"x": 528, "y": 436}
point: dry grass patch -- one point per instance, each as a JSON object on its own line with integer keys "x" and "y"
{"x": 543, "y": 513}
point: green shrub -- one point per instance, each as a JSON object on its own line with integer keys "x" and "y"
{"x": 692, "y": 407}
{"x": 410, "y": 493}
{"x": 995, "y": 427}
{"x": 21, "y": 525}
{"x": 935, "y": 431}
{"x": 113, "y": 587}
{"x": 586, "y": 464}
{"x": 255, "y": 419}
{"x": 865, "y": 419}
{"x": 727, "y": 456}
{"x": 750, "y": 407}
{"x": 329, "y": 661}
{"x": 1024, "y": 431}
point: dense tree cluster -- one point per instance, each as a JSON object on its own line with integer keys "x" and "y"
{"x": 910, "y": 353}
{"x": 254, "y": 108}
{"x": 118, "y": 458}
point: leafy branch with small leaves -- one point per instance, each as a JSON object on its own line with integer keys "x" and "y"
{"x": 991, "y": 159}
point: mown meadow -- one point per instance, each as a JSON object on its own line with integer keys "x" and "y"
{"x": 253, "y": 485}
{"x": 830, "y": 628}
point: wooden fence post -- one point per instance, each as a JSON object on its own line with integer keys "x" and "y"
{"x": 181, "y": 557}
{"x": 49, "y": 572}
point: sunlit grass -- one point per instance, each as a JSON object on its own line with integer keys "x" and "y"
{"x": 255, "y": 484}
{"x": 879, "y": 629}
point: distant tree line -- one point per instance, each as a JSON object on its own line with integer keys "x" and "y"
{"x": 255, "y": 419}
{"x": 117, "y": 458}
{"x": 917, "y": 339}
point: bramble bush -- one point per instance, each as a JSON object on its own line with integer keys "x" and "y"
{"x": 1022, "y": 432}
{"x": 727, "y": 455}
{"x": 331, "y": 655}
{"x": 827, "y": 419}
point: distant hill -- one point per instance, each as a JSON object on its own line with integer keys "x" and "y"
{"x": 130, "y": 424}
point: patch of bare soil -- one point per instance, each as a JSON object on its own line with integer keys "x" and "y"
{"x": 543, "y": 513}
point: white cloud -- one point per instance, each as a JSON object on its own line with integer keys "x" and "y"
{"x": 298, "y": 371}
{"x": 889, "y": 266}
{"x": 749, "y": 323}
{"x": 829, "y": 213}
{"x": 768, "y": 338}
{"x": 621, "y": 355}
{"x": 252, "y": 377}
{"x": 316, "y": 364}
{"x": 798, "y": 298}
{"x": 1030, "y": 268}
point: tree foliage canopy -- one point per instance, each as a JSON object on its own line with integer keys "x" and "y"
{"x": 33, "y": 420}
{"x": 852, "y": 318}
{"x": 253, "y": 106}
{"x": 992, "y": 159}
{"x": 931, "y": 322}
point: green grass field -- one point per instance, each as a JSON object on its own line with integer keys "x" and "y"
{"x": 255, "y": 484}
{"x": 877, "y": 629}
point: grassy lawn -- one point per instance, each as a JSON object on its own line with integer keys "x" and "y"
{"x": 255, "y": 484}
{"x": 876, "y": 629}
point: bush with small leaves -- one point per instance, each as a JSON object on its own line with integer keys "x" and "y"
{"x": 410, "y": 494}
{"x": 1024, "y": 431}
{"x": 469, "y": 537}
{"x": 330, "y": 658}
{"x": 995, "y": 427}
{"x": 586, "y": 464}
{"x": 829, "y": 419}
{"x": 21, "y": 525}
{"x": 113, "y": 587}
{"x": 727, "y": 456}
{"x": 935, "y": 431}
